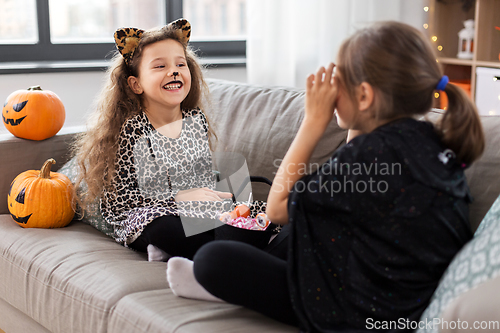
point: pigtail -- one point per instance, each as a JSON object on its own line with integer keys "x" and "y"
{"x": 460, "y": 126}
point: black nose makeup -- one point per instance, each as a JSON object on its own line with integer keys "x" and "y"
{"x": 175, "y": 73}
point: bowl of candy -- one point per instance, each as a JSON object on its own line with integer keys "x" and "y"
{"x": 239, "y": 226}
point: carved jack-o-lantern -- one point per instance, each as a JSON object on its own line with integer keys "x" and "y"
{"x": 33, "y": 114}
{"x": 41, "y": 199}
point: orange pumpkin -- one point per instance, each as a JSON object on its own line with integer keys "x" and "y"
{"x": 41, "y": 199}
{"x": 33, "y": 114}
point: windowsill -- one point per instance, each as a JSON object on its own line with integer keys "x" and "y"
{"x": 98, "y": 65}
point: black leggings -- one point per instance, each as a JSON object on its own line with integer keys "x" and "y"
{"x": 241, "y": 274}
{"x": 167, "y": 233}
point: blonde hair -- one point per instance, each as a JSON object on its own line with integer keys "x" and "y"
{"x": 96, "y": 148}
{"x": 400, "y": 64}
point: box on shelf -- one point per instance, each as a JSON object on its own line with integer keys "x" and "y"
{"x": 488, "y": 90}
{"x": 443, "y": 99}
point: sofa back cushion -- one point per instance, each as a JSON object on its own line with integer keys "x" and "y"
{"x": 484, "y": 175}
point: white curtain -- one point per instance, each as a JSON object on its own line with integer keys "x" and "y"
{"x": 289, "y": 39}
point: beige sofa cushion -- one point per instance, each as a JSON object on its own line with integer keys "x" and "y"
{"x": 13, "y": 320}
{"x": 160, "y": 311}
{"x": 484, "y": 175}
{"x": 69, "y": 279}
{"x": 476, "y": 308}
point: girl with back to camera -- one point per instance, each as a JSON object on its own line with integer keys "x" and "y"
{"x": 147, "y": 153}
{"x": 373, "y": 229}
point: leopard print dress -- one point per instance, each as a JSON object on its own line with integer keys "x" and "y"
{"x": 151, "y": 168}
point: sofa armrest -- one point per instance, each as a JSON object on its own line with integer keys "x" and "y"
{"x": 19, "y": 155}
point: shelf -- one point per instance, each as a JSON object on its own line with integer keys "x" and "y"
{"x": 446, "y": 19}
{"x": 455, "y": 61}
{"x": 463, "y": 62}
{"x": 494, "y": 64}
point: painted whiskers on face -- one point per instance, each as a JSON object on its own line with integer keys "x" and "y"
{"x": 164, "y": 80}
{"x": 175, "y": 84}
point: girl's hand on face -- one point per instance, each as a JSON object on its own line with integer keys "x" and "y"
{"x": 202, "y": 194}
{"x": 321, "y": 96}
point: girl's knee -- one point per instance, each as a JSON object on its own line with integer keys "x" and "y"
{"x": 208, "y": 263}
{"x": 212, "y": 260}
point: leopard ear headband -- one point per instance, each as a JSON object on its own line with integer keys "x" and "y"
{"x": 127, "y": 39}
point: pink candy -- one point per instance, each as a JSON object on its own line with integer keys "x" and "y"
{"x": 260, "y": 222}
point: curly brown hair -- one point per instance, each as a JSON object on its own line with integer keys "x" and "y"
{"x": 96, "y": 148}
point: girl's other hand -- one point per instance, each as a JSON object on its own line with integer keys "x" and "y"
{"x": 202, "y": 194}
{"x": 321, "y": 96}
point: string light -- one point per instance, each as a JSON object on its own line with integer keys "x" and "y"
{"x": 433, "y": 38}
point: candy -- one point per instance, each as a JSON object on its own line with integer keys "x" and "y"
{"x": 225, "y": 217}
{"x": 260, "y": 222}
{"x": 240, "y": 210}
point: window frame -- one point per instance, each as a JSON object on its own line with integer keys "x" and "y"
{"x": 45, "y": 51}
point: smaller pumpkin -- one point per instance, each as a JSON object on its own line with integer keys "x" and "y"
{"x": 33, "y": 114}
{"x": 41, "y": 199}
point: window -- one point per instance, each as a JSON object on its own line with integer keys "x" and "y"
{"x": 82, "y": 30}
{"x": 217, "y": 26}
{"x": 216, "y": 19}
{"x": 18, "y": 22}
{"x": 91, "y": 21}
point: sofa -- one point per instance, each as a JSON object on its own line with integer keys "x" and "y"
{"x": 77, "y": 279}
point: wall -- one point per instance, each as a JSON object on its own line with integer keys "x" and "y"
{"x": 307, "y": 34}
{"x": 78, "y": 90}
